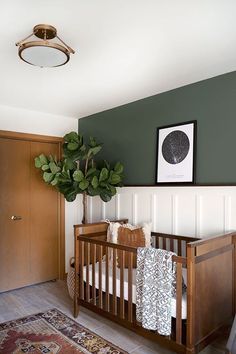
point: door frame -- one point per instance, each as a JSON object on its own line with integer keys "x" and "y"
{"x": 61, "y": 201}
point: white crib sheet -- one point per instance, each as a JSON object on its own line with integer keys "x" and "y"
{"x": 173, "y": 300}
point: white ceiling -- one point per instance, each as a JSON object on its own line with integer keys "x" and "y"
{"x": 125, "y": 50}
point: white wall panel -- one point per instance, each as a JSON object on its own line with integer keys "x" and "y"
{"x": 154, "y": 211}
{"x": 109, "y": 210}
{"x": 232, "y": 214}
{"x": 212, "y": 213}
{"x": 126, "y": 206}
{"x": 187, "y": 218}
{"x": 227, "y": 212}
{"x": 143, "y": 207}
{"x": 190, "y": 211}
{"x": 73, "y": 215}
{"x": 164, "y": 210}
{"x": 95, "y": 205}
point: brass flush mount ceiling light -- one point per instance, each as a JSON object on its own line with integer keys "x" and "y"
{"x": 44, "y": 52}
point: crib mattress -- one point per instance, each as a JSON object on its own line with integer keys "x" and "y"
{"x": 173, "y": 300}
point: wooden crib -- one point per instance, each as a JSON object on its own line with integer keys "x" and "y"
{"x": 210, "y": 267}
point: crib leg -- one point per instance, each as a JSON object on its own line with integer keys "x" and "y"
{"x": 76, "y": 307}
{"x": 190, "y": 351}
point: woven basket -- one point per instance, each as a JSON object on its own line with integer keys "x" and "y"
{"x": 71, "y": 278}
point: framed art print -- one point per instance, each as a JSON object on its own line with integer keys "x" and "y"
{"x": 176, "y": 153}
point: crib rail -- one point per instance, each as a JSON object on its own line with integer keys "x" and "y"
{"x": 99, "y": 285}
{"x": 172, "y": 243}
{"x": 108, "y": 289}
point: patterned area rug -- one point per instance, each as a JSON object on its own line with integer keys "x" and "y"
{"x": 51, "y": 332}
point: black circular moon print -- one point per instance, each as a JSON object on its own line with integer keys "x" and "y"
{"x": 175, "y": 147}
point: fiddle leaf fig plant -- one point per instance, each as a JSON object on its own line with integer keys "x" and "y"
{"x": 78, "y": 173}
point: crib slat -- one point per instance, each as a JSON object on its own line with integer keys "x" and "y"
{"x": 185, "y": 248}
{"x": 179, "y": 248}
{"x": 164, "y": 243}
{"x": 153, "y": 241}
{"x": 87, "y": 255}
{"x": 76, "y": 276}
{"x": 122, "y": 304}
{"x": 81, "y": 267}
{"x": 107, "y": 279}
{"x": 157, "y": 242}
{"x": 100, "y": 276}
{"x": 114, "y": 299}
{"x": 130, "y": 286}
{"x": 179, "y": 303}
{"x": 93, "y": 254}
{"x": 171, "y": 245}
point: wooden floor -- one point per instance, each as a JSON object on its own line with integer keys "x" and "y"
{"x": 33, "y": 299}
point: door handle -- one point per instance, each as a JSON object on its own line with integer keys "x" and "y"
{"x": 15, "y": 217}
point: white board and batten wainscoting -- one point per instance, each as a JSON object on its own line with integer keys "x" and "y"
{"x": 199, "y": 211}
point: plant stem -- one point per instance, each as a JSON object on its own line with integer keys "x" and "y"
{"x": 86, "y": 166}
{"x": 85, "y": 211}
{"x": 85, "y": 216}
{"x": 85, "y": 198}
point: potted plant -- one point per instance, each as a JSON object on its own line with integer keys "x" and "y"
{"x": 78, "y": 173}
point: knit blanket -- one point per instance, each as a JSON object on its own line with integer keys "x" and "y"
{"x": 156, "y": 274}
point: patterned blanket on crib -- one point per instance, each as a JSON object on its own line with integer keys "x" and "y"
{"x": 155, "y": 277}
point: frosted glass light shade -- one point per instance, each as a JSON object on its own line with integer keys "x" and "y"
{"x": 44, "y": 54}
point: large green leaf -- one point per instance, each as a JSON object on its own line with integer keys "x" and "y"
{"x": 78, "y": 176}
{"x": 54, "y": 182}
{"x": 114, "y": 178}
{"x": 64, "y": 178}
{"x": 51, "y": 158}
{"x": 105, "y": 195}
{"x": 72, "y": 136}
{"x": 83, "y": 184}
{"x": 83, "y": 148}
{"x": 68, "y": 191}
{"x": 53, "y": 167}
{"x": 113, "y": 190}
{"x": 92, "y": 141}
{"x": 72, "y": 146}
{"x": 69, "y": 164}
{"x": 73, "y": 155}
{"x": 48, "y": 177}
{"x": 43, "y": 159}
{"x": 95, "y": 182}
{"x": 118, "y": 168}
{"x": 45, "y": 167}
{"x": 92, "y": 192}
{"x": 103, "y": 174}
{"x": 104, "y": 185}
{"x": 76, "y": 187}
{"x": 94, "y": 150}
{"x": 91, "y": 171}
{"x": 65, "y": 188}
{"x": 70, "y": 196}
{"x": 37, "y": 162}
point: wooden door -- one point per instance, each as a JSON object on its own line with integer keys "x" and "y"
{"x": 44, "y": 218}
{"x": 31, "y": 247}
{"x": 14, "y": 201}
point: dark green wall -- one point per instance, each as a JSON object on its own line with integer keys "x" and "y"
{"x": 129, "y": 132}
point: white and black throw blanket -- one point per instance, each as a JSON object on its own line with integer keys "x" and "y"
{"x": 155, "y": 277}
